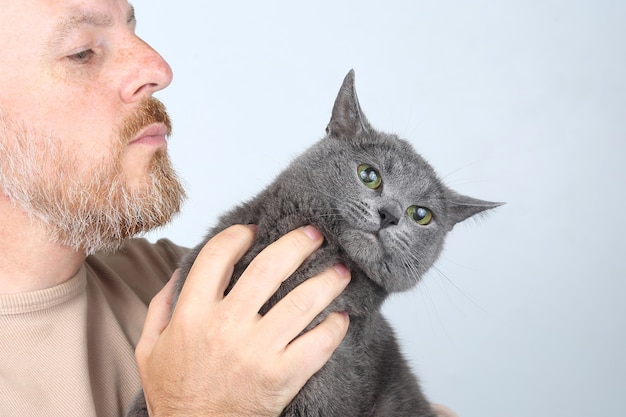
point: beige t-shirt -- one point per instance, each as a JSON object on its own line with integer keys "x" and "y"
{"x": 69, "y": 350}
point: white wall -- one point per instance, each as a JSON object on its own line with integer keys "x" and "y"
{"x": 520, "y": 101}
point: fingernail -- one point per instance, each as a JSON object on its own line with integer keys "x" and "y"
{"x": 345, "y": 316}
{"x": 342, "y": 270}
{"x": 312, "y": 232}
{"x": 253, "y": 227}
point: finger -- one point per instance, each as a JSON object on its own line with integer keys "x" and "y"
{"x": 443, "y": 411}
{"x": 156, "y": 318}
{"x": 213, "y": 267}
{"x": 296, "y": 310}
{"x": 308, "y": 353}
{"x": 271, "y": 267}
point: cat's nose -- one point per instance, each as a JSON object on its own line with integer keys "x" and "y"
{"x": 387, "y": 218}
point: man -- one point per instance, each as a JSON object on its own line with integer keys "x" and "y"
{"x": 83, "y": 168}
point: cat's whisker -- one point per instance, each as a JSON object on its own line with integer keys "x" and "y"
{"x": 424, "y": 292}
{"x": 412, "y": 263}
{"x": 356, "y": 205}
{"x": 459, "y": 289}
{"x": 315, "y": 189}
{"x": 459, "y": 169}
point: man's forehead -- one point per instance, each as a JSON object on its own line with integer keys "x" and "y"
{"x": 79, "y": 16}
{"x": 60, "y": 8}
{"x": 93, "y": 16}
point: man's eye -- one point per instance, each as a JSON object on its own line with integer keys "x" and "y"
{"x": 82, "y": 56}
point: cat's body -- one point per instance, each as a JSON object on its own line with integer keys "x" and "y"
{"x": 384, "y": 214}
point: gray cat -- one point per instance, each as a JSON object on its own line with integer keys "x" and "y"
{"x": 384, "y": 214}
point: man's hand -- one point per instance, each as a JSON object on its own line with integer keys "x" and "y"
{"x": 217, "y": 356}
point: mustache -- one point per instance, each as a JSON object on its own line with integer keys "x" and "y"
{"x": 150, "y": 111}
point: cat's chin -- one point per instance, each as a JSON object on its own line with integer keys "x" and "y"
{"x": 365, "y": 250}
{"x": 369, "y": 251}
{"x": 363, "y": 247}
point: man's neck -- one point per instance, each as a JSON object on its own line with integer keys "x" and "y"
{"x": 29, "y": 261}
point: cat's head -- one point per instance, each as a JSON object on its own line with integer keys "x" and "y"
{"x": 389, "y": 211}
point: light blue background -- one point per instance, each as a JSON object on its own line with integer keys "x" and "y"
{"x": 516, "y": 101}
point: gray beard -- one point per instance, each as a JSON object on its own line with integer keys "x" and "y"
{"x": 89, "y": 211}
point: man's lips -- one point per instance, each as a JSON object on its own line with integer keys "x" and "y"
{"x": 153, "y": 134}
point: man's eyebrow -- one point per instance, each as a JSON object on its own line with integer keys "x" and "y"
{"x": 78, "y": 18}
{"x": 85, "y": 19}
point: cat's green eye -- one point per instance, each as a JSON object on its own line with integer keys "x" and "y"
{"x": 420, "y": 215}
{"x": 369, "y": 176}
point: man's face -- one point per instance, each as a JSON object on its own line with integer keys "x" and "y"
{"x": 82, "y": 143}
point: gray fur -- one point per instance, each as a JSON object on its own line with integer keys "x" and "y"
{"x": 371, "y": 233}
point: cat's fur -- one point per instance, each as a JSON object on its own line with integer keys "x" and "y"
{"x": 368, "y": 230}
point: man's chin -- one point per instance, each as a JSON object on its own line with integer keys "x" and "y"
{"x": 130, "y": 210}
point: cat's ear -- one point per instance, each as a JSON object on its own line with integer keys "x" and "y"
{"x": 347, "y": 119}
{"x": 461, "y": 207}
